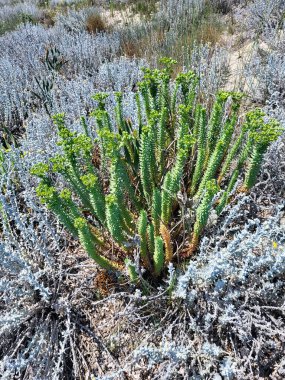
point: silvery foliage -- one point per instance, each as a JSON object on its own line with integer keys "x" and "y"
{"x": 90, "y": 61}
{"x": 19, "y": 64}
{"x": 211, "y": 65}
{"x": 175, "y": 17}
{"x": 260, "y": 16}
{"x": 120, "y": 74}
{"x": 172, "y": 11}
{"x": 9, "y": 11}
{"x": 75, "y": 21}
{"x": 22, "y": 61}
{"x": 267, "y": 70}
{"x": 227, "y": 317}
{"x": 73, "y": 97}
{"x": 32, "y": 338}
{"x": 64, "y": 2}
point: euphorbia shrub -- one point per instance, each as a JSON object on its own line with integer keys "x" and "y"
{"x": 121, "y": 195}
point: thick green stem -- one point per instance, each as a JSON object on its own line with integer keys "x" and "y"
{"x": 231, "y": 155}
{"x": 142, "y": 231}
{"x": 224, "y": 199}
{"x": 212, "y": 167}
{"x": 203, "y": 212}
{"x": 87, "y": 241}
{"x": 254, "y": 167}
{"x": 114, "y": 219}
{"x": 201, "y": 151}
{"x": 156, "y": 210}
{"x": 158, "y": 257}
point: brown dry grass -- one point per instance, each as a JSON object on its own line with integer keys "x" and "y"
{"x": 131, "y": 49}
{"x": 48, "y": 18}
{"x": 209, "y": 32}
{"x": 96, "y": 24}
{"x": 157, "y": 42}
{"x": 144, "y": 46}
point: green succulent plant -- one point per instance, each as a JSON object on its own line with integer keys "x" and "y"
{"x": 128, "y": 202}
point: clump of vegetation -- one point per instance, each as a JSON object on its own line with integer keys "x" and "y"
{"x": 125, "y": 188}
{"x": 95, "y": 23}
{"x": 13, "y": 22}
{"x": 145, "y": 8}
{"x": 190, "y": 22}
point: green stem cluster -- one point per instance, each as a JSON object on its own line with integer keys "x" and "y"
{"x": 130, "y": 201}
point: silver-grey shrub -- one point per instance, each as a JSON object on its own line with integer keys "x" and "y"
{"x": 259, "y": 16}
{"x": 28, "y": 249}
{"x": 40, "y": 298}
{"x": 266, "y": 73}
{"x": 227, "y": 321}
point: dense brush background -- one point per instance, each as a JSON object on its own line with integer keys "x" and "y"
{"x": 59, "y": 317}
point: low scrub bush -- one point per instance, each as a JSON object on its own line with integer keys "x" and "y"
{"x": 144, "y": 193}
{"x": 145, "y": 8}
{"x": 95, "y": 23}
{"x": 173, "y": 30}
{"x": 13, "y": 22}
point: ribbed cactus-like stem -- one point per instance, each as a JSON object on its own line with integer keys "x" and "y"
{"x": 137, "y": 180}
{"x": 185, "y": 136}
{"x": 49, "y": 196}
{"x": 114, "y": 219}
{"x": 84, "y": 125}
{"x": 188, "y": 82}
{"x": 214, "y": 127}
{"x": 87, "y": 241}
{"x": 75, "y": 181}
{"x": 148, "y": 101}
{"x": 261, "y": 134}
{"x": 150, "y": 238}
{"x": 165, "y": 234}
{"x": 142, "y": 231}
{"x": 69, "y": 204}
{"x": 212, "y": 167}
{"x": 152, "y": 161}
{"x": 132, "y": 271}
{"x": 119, "y": 111}
{"x": 156, "y": 210}
{"x": 177, "y": 172}
{"x": 62, "y": 165}
{"x": 96, "y": 196}
{"x": 201, "y": 151}
{"x": 224, "y": 199}
{"x": 164, "y": 93}
{"x": 158, "y": 257}
{"x": 254, "y": 167}
{"x": 64, "y": 217}
{"x": 166, "y": 199}
{"x": 174, "y": 99}
{"x": 202, "y": 214}
{"x": 147, "y": 164}
{"x": 139, "y": 111}
{"x": 230, "y": 156}
{"x": 192, "y": 92}
{"x": 102, "y": 119}
{"x": 161, "y": 137}
{"x": 218, "y": 154}
{"x": 120, "y": 183}
{"x": 197, "y": 116}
